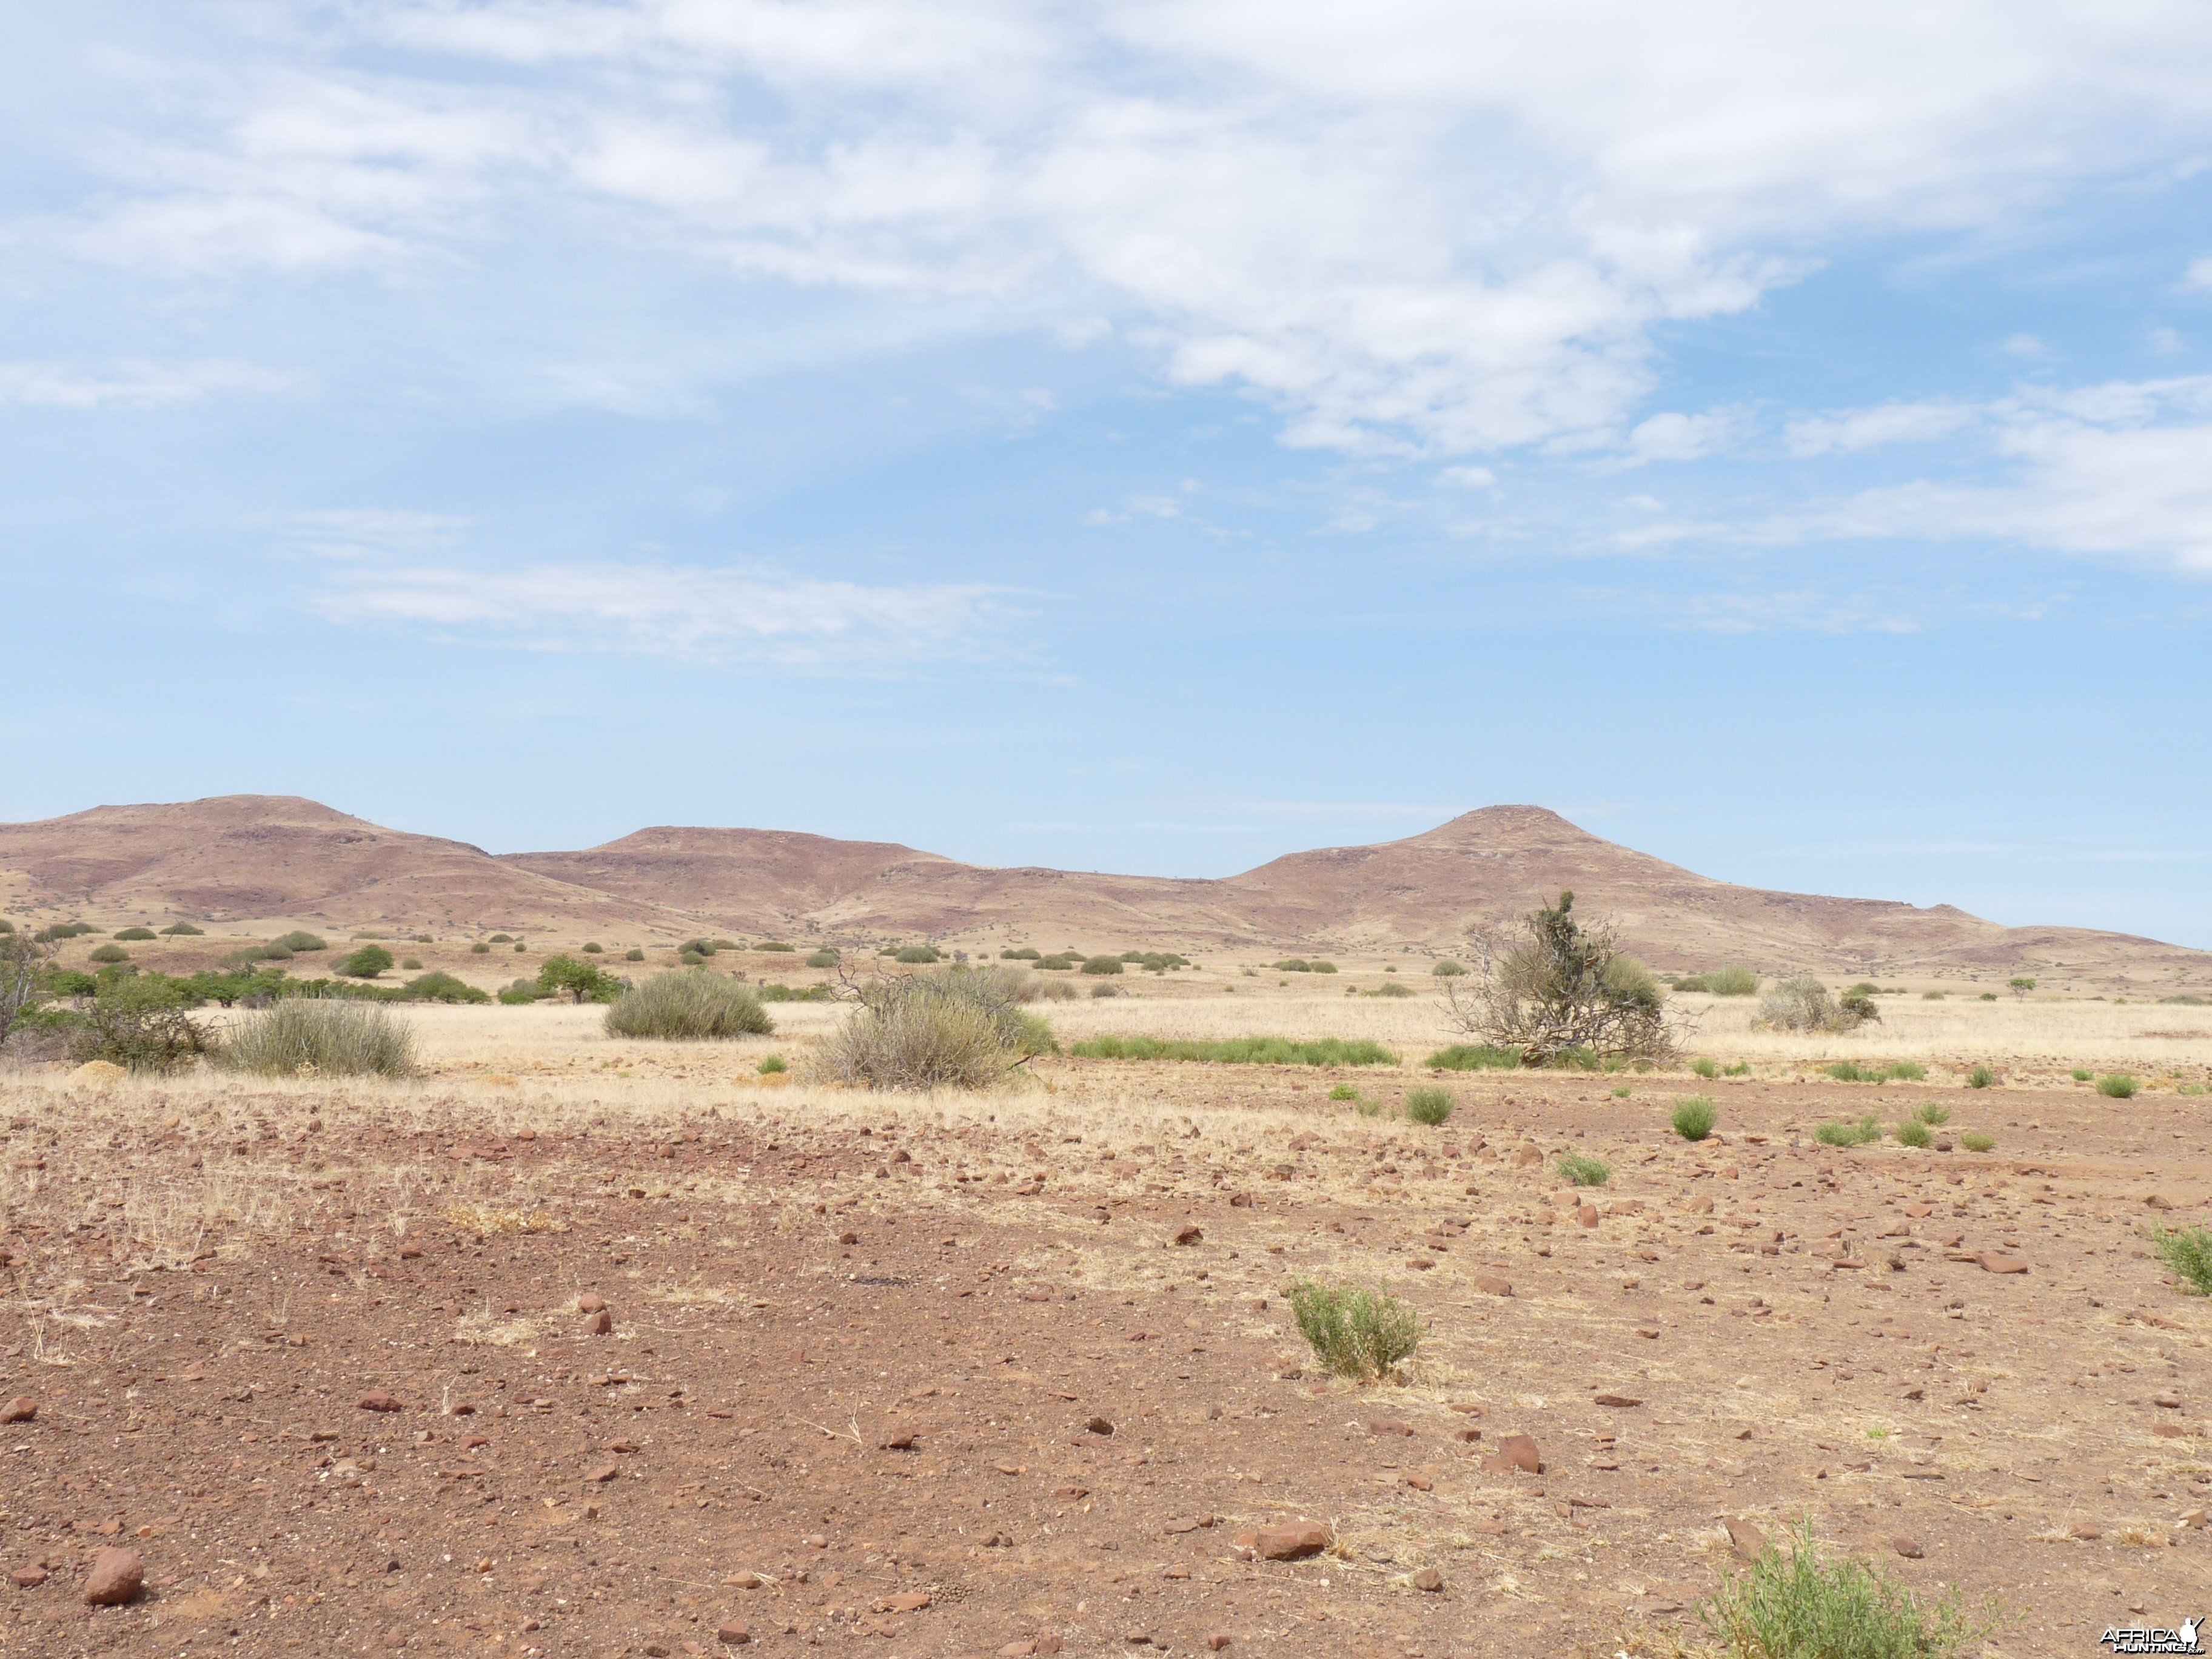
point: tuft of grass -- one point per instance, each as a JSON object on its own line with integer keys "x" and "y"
{"x": 1473, "y": 1057}
{"x": 1356, "y": 1331}
{"x": 480, "y": 949}
{"x": 1581, "y": 1169}
{"x": 1863, "y": 1132}
{"x": 1240, "y": 1051}
{"x": 1621, "y": 1093}
{"x": 1694, "y": 1117}
{"x": 2188, "y": 1252}
{"x": 1429, "y": 1105}
{"x": 1368, "y": 1108}
{"x": 1707, "y": 1069}
{"x": 2081, "y": 1074}
{"x": 771, "y": 1064}
{"x": 1980, "y": 1077}
{"x": 686, "y": 1004}
{"x": 1344, "y": 1091}
{"x": 1933, "y": 996}
{"x": 1391, "y": 987}
{"x": 1933, "y": 1114}
{"x": 1901, "y": 1071}
{"x": 1742, "y": 1068}
{"x": 331, "y": 1039}
{"x": 1975, "y": 1141}
{"x": 1913, "y": 1132}
{"x": 2117, "y": 1085}
{"x": 1801, "y": 1605}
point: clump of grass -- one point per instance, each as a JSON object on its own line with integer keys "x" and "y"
{"x": 1732, "y": 982}
{"x": 175, "y": 930}
{"x": 1694, "y": 1117}
{"x": 1581, "y": 1169}
{"x": 1368, "y": 1108}
{"x": 2188, "y": 1252}
{"x": 686, "y": 1004}
{"x": 1980, "y": 1077}
{"x": 1933, "y": 996}
{"x": 1742, "y": 1068}
{"x": 1391, "y": 987}
{"x": 1621, "y": 1093}
{"x": 132, "y": 933}
{"x": 1932, "y": 1114}
{"x": 1799, "y": 1605}
{"x": 1102, "y": 990}
{"x": 1913, "y": 1132}
{"x": 1863, "y": 1132}
{"x": 1429, "y": 1105}
{"x": 1975, "y": 1141}
{"x": 1900, "y": 1071}
{"x": 2081, "y": 1074}
{"x": 1355, "y": 1331}
{"x": 1240, "y": 1051}
{"x": 2117, "y": 1085}
{"x": 771, "y": 1064}
{"x": 1473, "y": 1057}
{"x": 956, "y": 1030}
{"x": 332, "y": 1039}
{"x": 1344, "y": 1091}
{"x": 1707, "y": 1069}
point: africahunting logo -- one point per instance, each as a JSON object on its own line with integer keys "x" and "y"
{"x": 2142, "y": 1638}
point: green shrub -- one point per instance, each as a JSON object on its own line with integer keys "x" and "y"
{"x": 1863, "y": 1132}
{"x": 771, "y": 1064}
{"x": 1354, "y": 1331}
{"x": 139, "y": 1023}
{"x": 1980, "y": 1077}
{"x": 1025, "y": 953}
{"x": 440, "y": 988}
{"x": 1938, "y": 1115}
{"x": 1391, "y": 989}
{"x": 367, "y": 963}
{"x": 633, "y": 955}
{"x": 8, "y": 926}
{"x": 1989, "y": 996}
{"x": 134, "y": 934}
{"x": 592, "y": 948}
{"x": 2188, "y": 1252}
{"x": 957, "y": 1029}
{"x": 1913, "y": 1132}
{"x": 581, "y": 982}
{"x": 334, "y": 1039}
{"x": 822, "y": 959}
{"x": 480, "y": 949}
{"x": 2081, "y": 1074}
{"x": 503, "y": 939}
{"x": 1707, "y": 1069}
{"x": 1344, "y": 1091}
{"x": 1367, "y": 1108}
{"x": 687, "y": 1004}
{"x": 518, "y": 994}
{"x": 1240, "y": 1051}
{"x": 1732, "y": 982}
{"x": 1801, "y": 1607}
{"x": 1102, "y": 965}
{"x": 110, "y": 953}
{"x": 300, "y": 942}
{"x": 775, "y": 993}
{"x": 1694, "y": 1117}
{"x": 923, "y": 953}
{"x": 425, "y": 938}
{"x": 412, "y": 965}
{"x": 519, "y": 947}
{"x": 1902, "y": 1071}
{"x": 2115, "y": 1085}
{"x": 1975, "y": 1141}
{"x": 1473, "y": 1057}
{"x": 1447, "y": 969}
{"x": 63, "y": 930}
{"x": 1429, "y": 1105}
{"x": 774, "y": 944}
{"x": 1933, "y": 996}
{"x": 1742, "y": 1068}
{"x": 1581, "y": 1169}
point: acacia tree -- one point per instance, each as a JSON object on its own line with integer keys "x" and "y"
{"x": 23, "y": 959}
{"x": 1560, "y": 986}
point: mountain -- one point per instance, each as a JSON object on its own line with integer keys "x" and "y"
{"x": 250, "y": 861}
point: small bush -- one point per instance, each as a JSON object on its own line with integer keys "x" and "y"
{"x": 1581, "y": 1169}
{"x": 1902, "y": 1071}
{"x": 1913, "y": 1132}
{"x": 336, "y": 1039}
{"x": 1429, "y": 1105}
{"x": 2115, "y": 1085}
{"x": 1804, "y": 1004}
{"x": 1344, "y": 1091}
{"x": 770, "y": 1066}
{"x": 1707, "y": 1069}
{"x": 519, "y": 947}
{"x": 367, "y": 963}
{"x": 1980, "y": 1077}
{"x": 1938, "y": 1115}
{"x": 1800, "y": 1607}
{"x": 1240, "y": 1051}
{"x": 822, "y": 959}
{"x": 522, "y": 993}
{"x": 1447, "y": 969}
{"x": 1025, "y": 953}
{"x": 1863, "y": 1132}
{"x": 1933, "y": 996}
{"x": 300, "y": 942}
{"x": 775, "y": 944}
{"x": 633, "y": 955}
{"x": 959, "y": 1030}
{"x": 1742, "y": 1068}
{"x": 480, "y": 949}
{"x": 440, "y": 988}
{"x": 1102, "y": 965}
{"x": 1989, "y": 996}
{"x": 1473, "y": 1057}
{"x": 1102, "y": 990}
{"x": 1354, "y": 1331}
{"x": 2081, "y": 1074}
{"x": 412, "y": 965}
{"x": 134, "y": 934}
{"x": 1391, "y": 989}
{"x": 2188, "y": 1252}
{"x": 687, "y": 1004}
{"x": 922, "y": 953}
{"x": 592, "y": 948}
{"x": 1732, "y": 982}
{"x": 1975, "y": 1141}
{"x": 1694, "y": 1117}
{"x": 110, "y": 953}
{"x": 174, "y": 930}
{"x": 1367, "y": 1108}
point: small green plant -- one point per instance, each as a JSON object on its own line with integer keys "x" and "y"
{"x": 412, "y": 964}
{"x": 1742, "y": 1068}
{"x": 133, "y": 934}
{"x": 2019, "y": 987}
{"x": 1355, "y": 1331}
{"x": 110, "y": 953}
{"x": 2188, "y": 1252}
{"x": 1344, "y": 1091}
{"x": 1447, "y": 969}
{"x": 1429, "y": 1105}
{"x": 1581, "y": 1169}
{"x": 1933, "y": 1114}
{"x": 824, "y": 959}
{"x": 1913, "y": 1132}
{"x": 633, "y": 955}
{"x": 1933, "y": 996}
{"x": 1799, "y": 1605}
{"x": 367, "y": 963}
{"x": 331, "y": 1038}
{"x": 139, "y": 1023}
{"x": 175, "y": 930}
{"x": 1863, "y": 1132}
{"x": 1902, "y": 1071}
{"x": 1621, "y": 1093}
{"x": 1473, "y": 1057}
{"x": 1975, "y": 1141}
{"x": 1694, "y": 1117}
{"x": 480, "y": 949}
{"x": 686, "y": 1004}
{"x": 1707, "y": 1069}
{"x": 592, "y": 947}
{"x": 2081, "y": 1074}
{"x": 1980, "y": 1077}
{"x": 2114, "y": 1085}
{"x": 300, "y": 942}
{"x": 1989, "y": 996}
{"x": 771, "y": 1064}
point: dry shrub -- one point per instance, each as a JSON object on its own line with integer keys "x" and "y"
{"x": 1562, "y": 989}
{"x": 688, "y": 1003}
{"x": 962, "y": 1029}
{"x": 348, "y": 1039}
{"x": 1801, "y": 1003}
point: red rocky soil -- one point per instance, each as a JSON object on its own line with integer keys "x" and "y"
{"x": 830, "y": 1375}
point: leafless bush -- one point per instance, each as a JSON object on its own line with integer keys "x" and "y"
{"x": 1560, "y": 992}
{"x": 1803, "y": 1003}
{"x": 963, "y": 1029}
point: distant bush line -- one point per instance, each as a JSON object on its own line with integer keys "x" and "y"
{"x": 1240, "y": 1051}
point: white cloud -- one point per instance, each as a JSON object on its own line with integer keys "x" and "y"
{"x": 373, "y": 532}
{"x": 1468, "y": 478}
{"x": 132, "y": 384}
{"x": 2200, "y": 273}
{"x": 670, "y": 611}
{"x": 1852, "y": 430}
{"x": 1676, "y": 437}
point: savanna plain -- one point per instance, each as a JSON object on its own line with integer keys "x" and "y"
{"x": 580, "y": 1345}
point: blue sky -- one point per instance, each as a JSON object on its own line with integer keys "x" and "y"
{"x": 1132, "y": 436}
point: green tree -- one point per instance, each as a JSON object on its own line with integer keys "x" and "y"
{"x": 583, "y": 981}
{"x": 367, "y": 963}
{"x": 2022, "y": 986}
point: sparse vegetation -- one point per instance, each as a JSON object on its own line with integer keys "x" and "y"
{"x": 1981, "y": 1076}
{"x": 916, "y": 954}
{"x": 139, "y": 1023}
{"x": 367, "y": 963}
{"x": 1799, "y": 1606}
{"x": 1429, "y": 1105}
{"x": 440, "y": 988}
{"x": 334, "y": 1039}
{"x": 1694, "y": 1117}
{"x": 1707, "y": 1069}
{"x": 1913, "y": 1132}
{"x": 1989, "y": 996}
{"x": 685, "y": 1004}
{"x": 2081, "y": 1074}
{"x": 1356, "y": 1331}
{"x": 1742, "y": 1068}
{"x": 1344, "y": 1091}
{"x": 592, "y": 948}
{"x": 957, "y": 1029}
{"x": 1447, "y": 969}
{"x": 1803, "y": 1003}
{"x": 1864, "y": 1132}
{"x": 1391, "y": 989}
{"x": 1563, "y": 987}
{"x": 133, "y": 935}
{"x": 771, "y": 1065}
{"x": 774, "y": 944}
{"x": 1102, "y": 965}
{"x": 2019, "y": 985}
{"x": 822, "y": 958}
{"x": 1582, "y": 1170}
{"x": 2187, "y": 1251}
{"x": 1901, "y": 1071}
{"x": 1975, "y": 1141}
{"x": 300, "y": 942}
{"x": 1473, "y": 1057}
{"x": 1300, "y": 965}
{"x": 773, "y": 992}
{"x": 1023, "y": 953}
{"x": 23, "y": 964}
{"x": 1933, "y": 1113}
{"x": 2117, "y": 1085}
{"x": 1933, "y": 996}
{"x": 183, "y": 930}
{"x": 1239, "y": 1051}
{"x": 634, "y": 954}
{"x": 411, "y": 965}
{"x": 480, "y": 949}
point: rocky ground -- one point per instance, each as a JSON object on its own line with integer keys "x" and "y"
{"x": 454, "y": 1368}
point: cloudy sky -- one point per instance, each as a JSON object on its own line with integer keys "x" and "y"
{"x": 1136, "y": 435}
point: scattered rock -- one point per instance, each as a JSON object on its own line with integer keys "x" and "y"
{"x": 1491, "y": 1284}
{"x": 1220, "y": 1640}
{"x": 602, "y": 1324}
{"x": 848, "y": 1236}
{"x": 376, "y": 1399}
{"x": 815, "y": 1541}
{"x": 1587, "y": 1215}
{"x": 1516, "y": 1451}
{"x": 746, "y": 1580}
{"x": 1389, "y": 1425}
{"x": 600, "y": 1472}
{"x": 910, "y": 1601}
{"x": 1526, "y": 1156}
{"x": 1099, "y": 1425}
{"x": 1622, "y": 1401}
{"x": 2166, "y": 1399}
{"x": 1748, "y": 1542}
{"x": 1293, "y": 1541}
{"x": 1189, "y": 1235}
{"x": 1429, "y": 1579}
{"x": 21, "y": 1409}
{"x": 1993, "y": 1262}
{"x": 115, "y": 1578}
{"x": 32, "y": 1576}
{"x": 591, "y": 1302}
{"x": 734, "y": 1632}
{"x": 901, "y": 1440}
{"x": 1908, "y": 1548}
